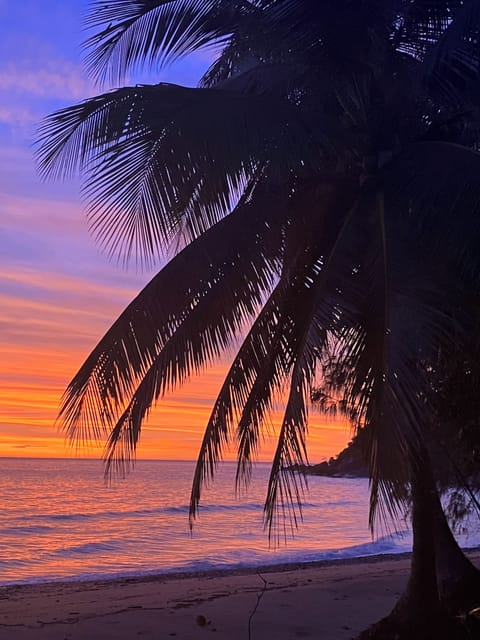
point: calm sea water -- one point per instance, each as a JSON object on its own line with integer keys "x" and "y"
{"x": 58, "y": 520}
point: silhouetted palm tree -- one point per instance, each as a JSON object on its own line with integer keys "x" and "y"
{"x": 321, "y": 184}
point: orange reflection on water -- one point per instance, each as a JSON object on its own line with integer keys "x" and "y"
{"x": 60, "y": 519}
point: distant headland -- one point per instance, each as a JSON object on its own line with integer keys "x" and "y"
{"x": 349, "y": 463}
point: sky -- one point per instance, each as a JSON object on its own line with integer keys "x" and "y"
{"x": 58, "y": 292}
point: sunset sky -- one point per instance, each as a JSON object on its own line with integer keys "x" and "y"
{"x": 58, "y": 292}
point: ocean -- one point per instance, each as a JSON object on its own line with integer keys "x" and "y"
{"x": 60, "y": 521}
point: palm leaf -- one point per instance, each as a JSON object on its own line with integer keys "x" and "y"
{"x": 422, "y": 23}
{"x": 110, "y": 375}
{"x": 259, "y": 369}
{"x": 284, "y": 488}
{"x": 235, "y": 393}
{"x": 405, "y": 318}
{"x": 313, "y": 316}
{"x": 436, "y": 186}
{"x": 156, "y": 32}
{"x": 155, "y": 155}
{"x": 452, "y": 66}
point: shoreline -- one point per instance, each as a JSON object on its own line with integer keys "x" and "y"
{"x": 328, "y": 599}
{"x": 155, "y": 575}
{"x": 219, "y": 572}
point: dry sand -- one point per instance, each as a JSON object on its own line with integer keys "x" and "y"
{"x": 327, "y": 601}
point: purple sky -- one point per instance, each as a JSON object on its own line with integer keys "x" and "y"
{"x": 43, "y": 225}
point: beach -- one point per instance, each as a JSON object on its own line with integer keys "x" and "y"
{"x": 332, "y": 600}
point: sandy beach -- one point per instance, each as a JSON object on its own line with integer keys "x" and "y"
{"x": 328, "y": 600}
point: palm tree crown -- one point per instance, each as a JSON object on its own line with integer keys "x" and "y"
{"x": 321, "y": 186}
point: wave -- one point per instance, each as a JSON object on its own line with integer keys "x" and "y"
{"x": 222, "y": 560}
{"x": 16, "y": 530}
{"x": 13, "y": 562}
{"x": 398, "y": 542}
{"x": 180, "y": 509}
{"x": 88, "y": 548}
{"x": 387, "y": 545}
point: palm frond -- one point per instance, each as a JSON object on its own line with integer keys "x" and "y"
{"x": 153, "y": 155}
{"x": 422, "y": 23}
{"x": 269, "y": 378}
{"x": 153, "y": 32}
{"x": 392, "y": 414}
{"x": 452, "y": 65}
{"x": 110, "y": 375}
{"x": 206, "y": 331}
{"x": 432, "y": 190}
{"x": 313, "y": 317}
{"x": 280, "y": 80}
{"x": 406, "y": 319}
{"x": 268, "y": 354}
{"x": 235, "y": 393}
{"x": 285, "y": 487}
{"x": 259, "y": 369}
{"x": 276, "y": 361}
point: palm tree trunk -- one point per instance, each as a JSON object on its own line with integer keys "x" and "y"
{"x": 458, "y": 580}
{"x": 420, "y": 614}
{"x": 421, "y": 593}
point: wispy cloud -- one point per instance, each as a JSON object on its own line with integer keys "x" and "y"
{"x": 29, "y": 91}
{"x": 17, "y": 116}
{"x": 48, "y": 79}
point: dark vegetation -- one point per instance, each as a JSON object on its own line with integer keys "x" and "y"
{"x": 349, "y": 463}
{"x": 321, "y": 187}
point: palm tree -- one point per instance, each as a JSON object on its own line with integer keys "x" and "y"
{"x": 321, "y": 184}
